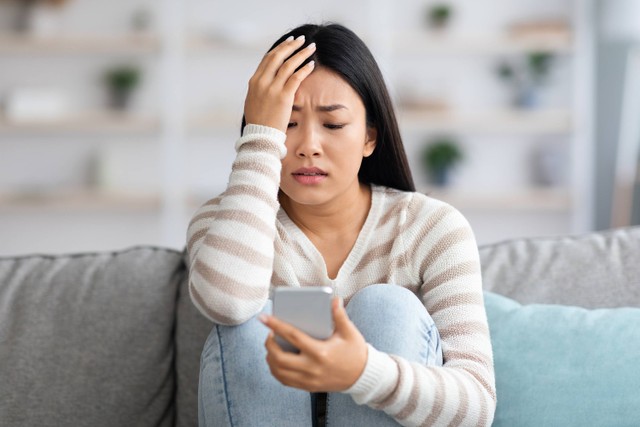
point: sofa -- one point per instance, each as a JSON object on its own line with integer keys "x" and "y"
{"x": 112, "y": 339}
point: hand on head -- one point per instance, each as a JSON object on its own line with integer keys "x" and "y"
{"x": 273, "y": 86}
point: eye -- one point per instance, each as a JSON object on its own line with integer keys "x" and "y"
{"x": 291, "y": 124}
{"x": 332, "y": 126}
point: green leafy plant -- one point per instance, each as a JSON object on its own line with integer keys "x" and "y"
{"x": 439, "y": 15}
{"x": 439, "y": 157}
{"x": 123, "y": 78}
{"x": 539, "y": 64}
{"x": 121, "y": 81}
{"x": 527, "y": 76}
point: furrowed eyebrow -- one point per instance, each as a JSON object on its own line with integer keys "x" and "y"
{"x": 329, "y": 108}
{"x": 323, "y": 108}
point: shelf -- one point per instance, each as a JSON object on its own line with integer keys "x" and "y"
{"x": 535, "y": 199}
{"x": 214, "y": 120}
{"x": 505, "y": 121}
{"x": 499, "y": 121}
{"x": 133, "y": 44}
{"x": 439, "y": 44}
{"x": 203, "y": 44}
{"x": 78, "y": 200}
{"x": 104, "y": 122}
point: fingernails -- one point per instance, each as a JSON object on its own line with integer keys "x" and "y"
{"x": 311, "y": 64}
{"x": 311, "y": 46}
{"x": 263, "y": 318}
{"x": 300, "y": 38}
{"x": 288, "y": 39}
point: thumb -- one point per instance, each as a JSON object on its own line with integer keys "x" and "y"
{"x": 340, "y": 317}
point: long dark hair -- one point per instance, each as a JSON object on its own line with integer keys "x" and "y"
{"x": 343, "y": 52}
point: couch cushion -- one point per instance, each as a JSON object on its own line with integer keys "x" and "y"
{"x": 86, "y": 340}
{"x": 596, "y": 270}
{"x": 192, "y": 330}
{"x": 564, "y": 366}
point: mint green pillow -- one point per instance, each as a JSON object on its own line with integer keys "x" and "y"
{"x": 565, "y": 366}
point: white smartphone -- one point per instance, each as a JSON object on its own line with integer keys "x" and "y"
{"x": 308, "y": 309}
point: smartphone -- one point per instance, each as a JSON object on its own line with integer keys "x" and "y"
{"x": 308, "y": 309}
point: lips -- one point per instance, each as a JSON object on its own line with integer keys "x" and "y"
{"x": 309, "y": 172}
{"x": 309, "y": 176}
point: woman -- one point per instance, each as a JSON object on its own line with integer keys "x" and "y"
{"x": 320, "y": 194}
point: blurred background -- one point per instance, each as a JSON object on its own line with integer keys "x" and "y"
{"x": 118, "y": 119}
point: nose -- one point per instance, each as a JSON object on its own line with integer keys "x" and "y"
{"x": 308, "y": 144}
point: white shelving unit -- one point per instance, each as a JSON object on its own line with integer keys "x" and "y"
{"x": 80, "y": 44}
{"x": 70, "y": 217}
{"x": 499, "y": 210}
{"x": 470, "y": 44}
{"x": 79, "y": 201}
{"x": 175, "y": 127}
{"x": 85, "y": 122}
{"x": 514, "y": 121}
{"x": 534, "y": 199}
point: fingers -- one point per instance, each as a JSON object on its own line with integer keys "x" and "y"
{"x": 276, "y": 353}
{"x": 291, "y": 369}
{"x": 343, "y": 324}
{"x": 290, "y": 333}
{"x": 288, "y": 42}
{"x": 284, "y": 73}
{"x": 273, "y": 86}
{"x": 289, "y": 67}
{"x": 293, "y": 82}
{"x": 273, "y": 60}
{"x": 330, "y": 365}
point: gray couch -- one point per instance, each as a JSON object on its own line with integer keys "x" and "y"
{"x": 112, "y": 339}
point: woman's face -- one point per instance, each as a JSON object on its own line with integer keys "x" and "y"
{"x": 327, "y": 139}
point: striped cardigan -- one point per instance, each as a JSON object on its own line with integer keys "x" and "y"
{"x": 242, "y": 243}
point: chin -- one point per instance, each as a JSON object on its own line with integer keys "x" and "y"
{"x": 306, "y": 195}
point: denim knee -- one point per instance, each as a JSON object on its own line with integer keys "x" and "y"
{"x": 388, "y": 301}
{"x": 394, "y": 320}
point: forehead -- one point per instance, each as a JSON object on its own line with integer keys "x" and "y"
{"x": 325, "y": 87}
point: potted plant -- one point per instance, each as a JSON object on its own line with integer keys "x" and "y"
{"x": 438, "y": 15}
{"x": 438, "y": 157}
{"x": 526, "y": 78}
{"x": 121, "y": 81}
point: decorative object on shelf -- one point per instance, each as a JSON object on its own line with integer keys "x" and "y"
{"x": 40, "y": 18}
{"x": 141, "y": 20}
{"x": 439, "y": 15}
{"x": 550, "y": 165}
{"x": 439, "y": 156}
{"x": 36, "y": 105}
{"x": 121, "y": 81}
{"x": 526, "y": 77}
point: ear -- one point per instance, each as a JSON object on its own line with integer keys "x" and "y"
{"x": 370, "y": 142}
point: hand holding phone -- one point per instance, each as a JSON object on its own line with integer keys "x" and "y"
{"x": 308, "y": 309}
{"x": 333, "y": 352}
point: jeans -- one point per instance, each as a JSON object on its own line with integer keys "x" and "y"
{"x": 236, "y": 388}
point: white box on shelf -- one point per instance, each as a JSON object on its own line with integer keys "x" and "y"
{"x": 31, "y": 104}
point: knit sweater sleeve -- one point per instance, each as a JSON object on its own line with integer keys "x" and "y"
{"x": 230, "y": 239}
{"x": 442, "y": 248}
